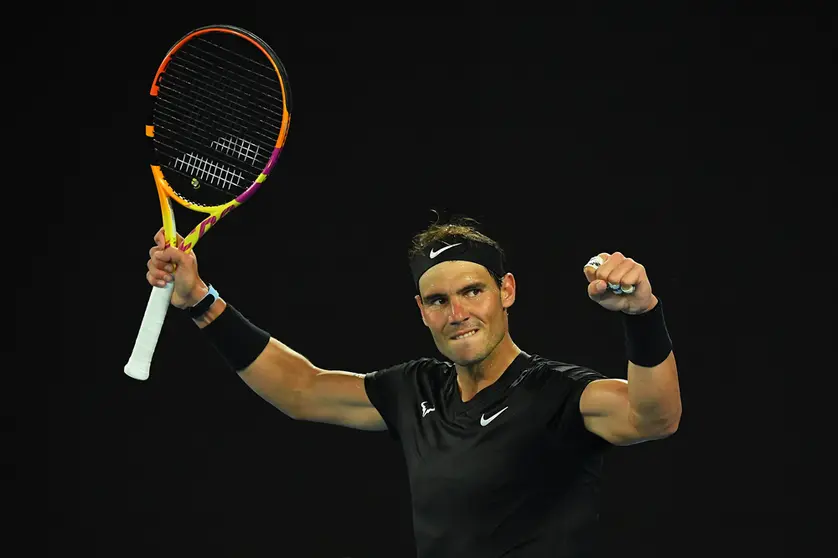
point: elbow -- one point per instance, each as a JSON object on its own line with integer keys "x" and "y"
{"x": 657, "y": 427}
{"x": 670, "y": 426}
{"x": 292, "y": 412}
{"x": 297, "y": 405}
{"x": 675, "y": 419}
{"x": 659, "y": 431}
{"x": 669, "y": 429}
{"x": 290, "y": 406}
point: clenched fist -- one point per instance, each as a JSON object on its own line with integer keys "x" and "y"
{"x": 616, "y": 282}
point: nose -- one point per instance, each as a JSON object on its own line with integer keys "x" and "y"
{"x": 458, "y": 313}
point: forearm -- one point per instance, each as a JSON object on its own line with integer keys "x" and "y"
{"x": 654, "y": 396}
{"x": 280, "y": 375}
{"x": 653, "y": 390}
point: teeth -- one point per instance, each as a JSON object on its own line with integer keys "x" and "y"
{"x": 464, "y": 335}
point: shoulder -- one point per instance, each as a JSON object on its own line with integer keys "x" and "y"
{"x": 412, "y": 367}
{"x": 542, "y": 372}
{"x": 402, "y": 385}
{"x": 425, "y": 370}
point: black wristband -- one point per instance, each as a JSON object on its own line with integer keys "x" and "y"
{"x": 236, "y": 339}
{"x": 646, "y": 337}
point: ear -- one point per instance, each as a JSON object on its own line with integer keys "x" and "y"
{"x": 421, "y": 309}
{"x": 507, "y": 290}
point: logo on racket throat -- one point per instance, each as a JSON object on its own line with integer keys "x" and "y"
{"x": 205, "y": 225}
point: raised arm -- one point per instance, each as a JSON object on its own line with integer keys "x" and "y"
{"x": 280, "y": 375}
{"x": 291, "y": 383}
{"x": 648, "y": 405}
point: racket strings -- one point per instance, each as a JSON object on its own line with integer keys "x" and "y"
{"x": 259, "y": 68}
{"x": 263, "y": 78}
{"x": 172, "y": 115}
{"x": 178, "y": 103}
{"x": 188, "y": 159}
{"x": 234, "y": 87}
{"x": 217, "y": 118}
{"x": 192, "y": 159}
{"x": 198, "y": 167}
{"x": 224, "y": 93}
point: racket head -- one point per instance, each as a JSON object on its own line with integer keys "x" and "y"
{"x": 219, "y": 118}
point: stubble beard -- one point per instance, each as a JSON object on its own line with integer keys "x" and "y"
{"x": 481, "y": 355}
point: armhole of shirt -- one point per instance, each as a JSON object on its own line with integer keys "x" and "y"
{"x": 391, "y": 391}
{"x": 570, "y": 415}
{"x": 585, "y": 437}
{"x": 377, "y": 395}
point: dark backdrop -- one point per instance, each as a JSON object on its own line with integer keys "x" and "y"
{"x": 689, "y": 142}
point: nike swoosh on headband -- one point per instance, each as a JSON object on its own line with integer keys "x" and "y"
{"x": 435, "y": 253}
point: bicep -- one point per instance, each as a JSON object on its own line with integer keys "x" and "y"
{"x": 340, "y": 398}
{"x": 606, "y": 411}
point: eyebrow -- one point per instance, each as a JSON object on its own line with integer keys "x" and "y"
{"x": 474, "y": 285}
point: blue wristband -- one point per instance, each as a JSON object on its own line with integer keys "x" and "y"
{"x": 204, "y": 304}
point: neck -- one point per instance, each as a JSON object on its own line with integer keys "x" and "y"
{"x": 474, "y": 377}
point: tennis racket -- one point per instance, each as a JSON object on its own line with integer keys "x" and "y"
{"x": 221, "y": 108}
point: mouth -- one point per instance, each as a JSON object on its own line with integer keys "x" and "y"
{"x": 464, "y": 335}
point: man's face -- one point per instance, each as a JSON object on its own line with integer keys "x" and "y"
{"x": 463, "y": 307}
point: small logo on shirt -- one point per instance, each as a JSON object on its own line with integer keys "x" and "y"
{"x": 426, "y": 409}
{"x": 484, "y": 421}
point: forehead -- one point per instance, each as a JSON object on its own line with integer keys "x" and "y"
{"x": 453, "y": 275}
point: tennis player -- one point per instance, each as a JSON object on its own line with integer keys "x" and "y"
{"x": 504, "y": 448}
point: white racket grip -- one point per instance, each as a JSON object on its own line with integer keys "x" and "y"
{"x": 155, "y": 314}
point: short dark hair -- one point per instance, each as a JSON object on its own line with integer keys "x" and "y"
{"x": 458, "y": 226}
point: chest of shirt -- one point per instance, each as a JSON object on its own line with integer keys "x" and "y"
{"x": 471, "y": 458}
{"x": 502, "y": 435}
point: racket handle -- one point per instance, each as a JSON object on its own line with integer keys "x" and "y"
{"x": 139, "y": 364}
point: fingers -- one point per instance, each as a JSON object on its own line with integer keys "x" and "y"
{"x": 593, "y": 264}
{"x": 600, "y": 267}
{"x": 163, "y": 260}
{"x": 160, "y": 238}
{"x": 612, "y": 270}
{"x": 158, "y": 277}
{"x": 160, "y": 260}
{"x": 159, "y": 268}
{"x": 162, "y": 264}
{"x": 632, "y": 277}
{"x": 170, "y": 255}
{"x": 614, "y": 273}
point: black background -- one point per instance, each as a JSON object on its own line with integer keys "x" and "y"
{"x": 694, "y": 143}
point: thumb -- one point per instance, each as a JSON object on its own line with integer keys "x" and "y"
{"x": 597, "y": 289}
